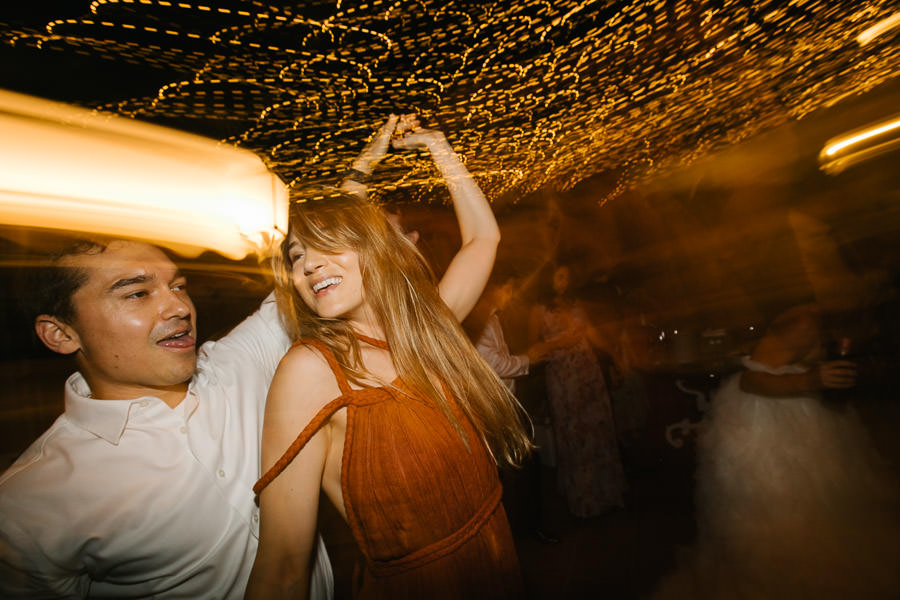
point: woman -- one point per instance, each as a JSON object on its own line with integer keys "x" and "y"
{"x": 401, "y": 423}
{"x": 793, "y": 500}
{"x": 589, "y": 469}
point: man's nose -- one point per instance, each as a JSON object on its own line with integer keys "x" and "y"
{"x": 177, "y": 304}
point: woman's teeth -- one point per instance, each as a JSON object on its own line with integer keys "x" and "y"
{"x": 325, "y": 283}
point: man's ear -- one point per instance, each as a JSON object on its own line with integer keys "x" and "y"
{"x": 57, "y": 335}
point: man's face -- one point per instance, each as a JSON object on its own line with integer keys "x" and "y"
{"x": 561, "y": 280}
{"x": 134, "y": 323}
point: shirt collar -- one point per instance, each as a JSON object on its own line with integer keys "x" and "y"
{"x": 104, "y": 418}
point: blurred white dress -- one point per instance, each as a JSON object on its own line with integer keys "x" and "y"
{"x": 793, "y": 500}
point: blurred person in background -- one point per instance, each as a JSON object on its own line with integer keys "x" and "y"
{"x": 590, "y": 473}
{"x": 793, "y": 499}
{"x": 142, "y": 488}
{"x": 485, "y": 329}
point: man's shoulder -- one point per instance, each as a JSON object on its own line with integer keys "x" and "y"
{"x": 51, "y": 451}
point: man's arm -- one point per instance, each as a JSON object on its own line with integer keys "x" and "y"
{"x": 26, "y": 572}
{"x": 261, "y": 338}
{"x": 496, "y": 354}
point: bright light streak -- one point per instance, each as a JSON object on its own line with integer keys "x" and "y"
{"x": 834, "y": 147}
{"x": 68, "y": 168}
{"x": 860, "y": 145}
{"x": 878, "y": 29}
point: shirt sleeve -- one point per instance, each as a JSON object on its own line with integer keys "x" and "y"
{"x": 321, "y": 585}
{"x": 496, "y": 353}
{"x": 261, "y": 337}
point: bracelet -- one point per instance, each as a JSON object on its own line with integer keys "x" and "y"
{"x": 357, "y": 176}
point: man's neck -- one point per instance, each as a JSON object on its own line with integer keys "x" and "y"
{"x": 172, "y": 396}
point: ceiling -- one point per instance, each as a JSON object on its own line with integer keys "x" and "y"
{"x": 668, "y": 149}
{"x": 533, "y": 94}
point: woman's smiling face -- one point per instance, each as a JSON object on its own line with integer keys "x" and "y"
{"x": 329, "y": 283}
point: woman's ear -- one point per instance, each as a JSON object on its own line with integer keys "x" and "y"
{"x": 56, "y": 334}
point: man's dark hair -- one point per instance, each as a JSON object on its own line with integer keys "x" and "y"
{"x": 50, "y": 287}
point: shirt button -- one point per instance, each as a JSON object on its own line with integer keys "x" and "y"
{"x": 182, "y": 429}
{"x": 256, "y": 518}
{"x": 144, "y": 403}
{"x": 221, "y": 473}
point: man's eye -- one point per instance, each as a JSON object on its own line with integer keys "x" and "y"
{"x": 138, "y": 294}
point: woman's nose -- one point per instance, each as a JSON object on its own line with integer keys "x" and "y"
{"x": 312, "y": 260}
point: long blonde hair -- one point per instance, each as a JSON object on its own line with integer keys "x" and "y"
{"x": 423, "y": 334}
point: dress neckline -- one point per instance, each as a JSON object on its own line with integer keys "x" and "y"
{"x": 372, "y": 341}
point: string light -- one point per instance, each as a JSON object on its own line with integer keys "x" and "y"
{"x": 532, "y": 93}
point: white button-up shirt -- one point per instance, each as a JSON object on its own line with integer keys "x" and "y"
{"x": 133, "y": 499}
{"x": 491, "y": 345}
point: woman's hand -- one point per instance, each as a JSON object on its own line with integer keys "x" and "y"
{"x": 410, "y": 135}
{"x": 538, "y": 353}
{"x": 465, "y": 277}
{"x": 355, "y": 181}
{"x": 566, "y": 339}
{"x": 836, "y": 375}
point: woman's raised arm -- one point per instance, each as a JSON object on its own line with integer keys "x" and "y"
{"x": 465, "y": 278}
{"x": 356, "y": 178}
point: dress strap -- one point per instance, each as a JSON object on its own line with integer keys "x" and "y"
{"x": 313, "y": 426}
{"x": 372, "y": 341}
{"x": 294, "y": 449}
{"x": 443, "y": 547}
{"x": 332, "y": 362}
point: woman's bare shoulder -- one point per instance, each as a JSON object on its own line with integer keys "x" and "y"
{"x": 306, "y": 374}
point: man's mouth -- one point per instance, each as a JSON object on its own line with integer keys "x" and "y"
{"x": 326, "y": 283}
{"x": 180, "y": 340}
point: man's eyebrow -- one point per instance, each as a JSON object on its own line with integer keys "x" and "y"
{"x": 121, "y": 283}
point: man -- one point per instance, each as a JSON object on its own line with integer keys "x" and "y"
{"x": 486, "y": 332}
{"x": 142, "y": 488}
{"x": 489, "y": 339}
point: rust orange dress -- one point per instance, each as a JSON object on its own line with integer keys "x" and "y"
{"x": 424, "y": 509}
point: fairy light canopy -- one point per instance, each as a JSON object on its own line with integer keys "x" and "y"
{"x": 532, "y": 93}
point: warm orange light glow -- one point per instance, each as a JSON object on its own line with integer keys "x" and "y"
{"x": 878, "y": 28}
{"x": 63, "y": 167}
{"x": 534, "y": 94}
{"x": 861, "y": 144}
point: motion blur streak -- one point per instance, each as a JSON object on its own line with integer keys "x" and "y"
{"x": 74, "y": 169}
